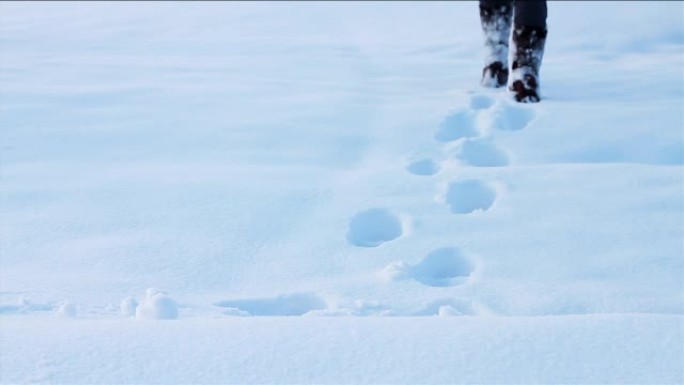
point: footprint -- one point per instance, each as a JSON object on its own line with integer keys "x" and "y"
{"x": 374, "y": 227}
{"x": 443, "y": 267}
{"x": 460, "y": 124}
{"x": 284, "y": 305}
{"x": 470, "y": 195}
{"x": 424, "y": 167}
{"x": 481, "y": 102}
{"x": 23, "y": 306}
{"x": 482, "y": 153}
{"x": 508, "y": 117}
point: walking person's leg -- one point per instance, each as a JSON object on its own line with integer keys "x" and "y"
{"x": 495, "y": 16}
{"x": 528, "y": 40}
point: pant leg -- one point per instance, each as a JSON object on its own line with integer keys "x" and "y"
{"x": 494, "y": 2}
{"x": 530, "y": 13}
{"x": 528, "y": 40}
{"x": 489, "y": 7}
{"x": 496, "y": 17}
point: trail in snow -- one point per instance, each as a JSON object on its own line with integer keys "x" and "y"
{"x": 319, "y": 195}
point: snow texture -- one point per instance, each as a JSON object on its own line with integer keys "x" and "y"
{"x": 348, "y": 350}
{"x": 329, "y": 196}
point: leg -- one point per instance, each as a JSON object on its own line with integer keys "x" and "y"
{"x": 495, "y": 16}
{"x": 528, "y": 40}
{"x": 530, "y": 13}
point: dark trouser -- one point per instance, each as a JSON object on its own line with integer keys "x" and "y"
{"x": 530, "y": 13}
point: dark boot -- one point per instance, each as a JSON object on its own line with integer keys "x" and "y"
{"x": 496, "y": 25}
{"x": 528, "y": 50}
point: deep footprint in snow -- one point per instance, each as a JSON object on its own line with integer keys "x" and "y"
{"x": 481, "y": 102}
{"x": 467, "y": 196}
{"x": 460, "y": 124}
{"x": 423, "y": 167}
{"x": 284, "y": 305}
{"x": 443, "y": 267}
{"x": 509, "y": 117}
{"x": 482, "y": 153}
{"x": 374, "y": 227}
{"x": 23, "y": 306}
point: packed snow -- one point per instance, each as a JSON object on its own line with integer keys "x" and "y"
{"x": 321, "y": 192}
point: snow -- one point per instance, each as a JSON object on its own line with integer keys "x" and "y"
{"x": 597, "y": 349}
{"x": 445, "y": 266}
{"x": 423, "y": 167}
{"x": 129, "y": 306}
{"x": 373, "y": 227}
{"x": 67, "y": 310}
{"x": 156, "y": 306}
{"x": 323, "y": 193}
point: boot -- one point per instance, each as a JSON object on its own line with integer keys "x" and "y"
{"x": 528, "y": 50}
{"x": 496, "y": 25}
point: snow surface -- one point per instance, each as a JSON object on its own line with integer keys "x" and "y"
{"x": 321, "y": 192}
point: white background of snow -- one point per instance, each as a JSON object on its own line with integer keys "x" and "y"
{"x": 218, "y": 152}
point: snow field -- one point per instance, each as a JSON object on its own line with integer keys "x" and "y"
{"x": 455, "y": 350}
{"x": 326, "y": 196}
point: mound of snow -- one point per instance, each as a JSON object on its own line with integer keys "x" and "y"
{"x": 67, "y": 310}
{"x": 157, "y": 305}
{"x": 128, "y": 307}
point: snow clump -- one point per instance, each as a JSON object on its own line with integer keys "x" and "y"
{"x": 128, "y": 307}
{"x": 67, "y": 310}
{"x": 157, "y": 305}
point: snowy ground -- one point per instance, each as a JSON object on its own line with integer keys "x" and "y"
{"x": 337, "y": 161}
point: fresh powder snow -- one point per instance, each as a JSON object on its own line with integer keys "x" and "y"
{"x": 322, "y": 192}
